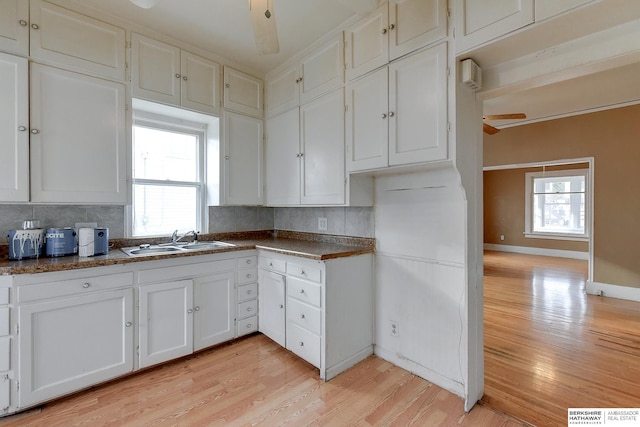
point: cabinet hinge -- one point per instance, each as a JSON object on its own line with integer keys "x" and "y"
{"x": 346, "y": 108}
{"x": 127, "y": 44}
{"x": 448, "y": 13}
{"x": 448, "y": 72}
{"x": 448, "y": 126}
{"x": 17, "y": 385}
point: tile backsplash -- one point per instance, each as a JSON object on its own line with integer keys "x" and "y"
{"x": 342, "y": 221}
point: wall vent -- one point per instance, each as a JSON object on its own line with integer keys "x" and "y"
{"x": 471, "y": 74}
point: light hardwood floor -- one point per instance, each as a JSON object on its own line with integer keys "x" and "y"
{"x": 253, "y": 381}
{"x": 549, "y": 346}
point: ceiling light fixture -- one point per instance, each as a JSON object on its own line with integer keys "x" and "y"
{"x": 145, "y": 4}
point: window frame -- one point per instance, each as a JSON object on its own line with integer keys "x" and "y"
{"x": 172, "y": 124}
{"x": 529, "y": 205}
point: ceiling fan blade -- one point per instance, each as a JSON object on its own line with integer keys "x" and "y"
{"x": 264, "y": 25}
{"x": 488, "y": 129}
{"x": 506, "y": 116}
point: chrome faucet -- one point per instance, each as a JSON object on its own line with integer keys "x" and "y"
{"x": 175, "y": 239}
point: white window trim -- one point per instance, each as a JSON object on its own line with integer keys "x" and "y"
{"x": 158, "y": 121}
{"x": 528, "y": 224}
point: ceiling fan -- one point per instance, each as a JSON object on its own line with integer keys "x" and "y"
{"x": 490, "y": 130}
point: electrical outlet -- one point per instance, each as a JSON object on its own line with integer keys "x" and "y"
{"x": 322, "y": 224}
{"x": 502, "y": 237}
{"x": 393, "y": 328}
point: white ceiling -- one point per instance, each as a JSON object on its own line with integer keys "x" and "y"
{"x": 223, "y": 27}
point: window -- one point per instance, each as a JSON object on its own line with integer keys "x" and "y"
{"x": 168, "y": 178}
{"x": 556, "y": 204}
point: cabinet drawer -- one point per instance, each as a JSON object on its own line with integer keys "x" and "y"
{"x": 304, "y": 344}
{"x": 304, "y": 315}
{"x": 272, "y": 264}
{"x": 247, "y": 309}
{"x": 75, "y": 286}
{"x": 247, "y": 292}
{"x": 247, "y": 276}
{"x": 4, "y": 321}
{"x": 4, "y": 296}
{"x": 306, "y": 272}
{"x": 248, "y": 325}
{"x": 248, "y": 261}
{"x": 5, "y": 351}
{"x": 304, "y": 291}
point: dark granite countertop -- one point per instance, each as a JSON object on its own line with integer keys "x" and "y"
{"x": 308, "y": 245}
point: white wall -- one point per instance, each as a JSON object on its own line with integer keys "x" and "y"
{"x": 420, "y": 275}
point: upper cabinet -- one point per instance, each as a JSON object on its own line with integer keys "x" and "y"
{"x": 14, "y": 27}
{"x": 164, "y": 73}
{"x": 317, "y": 73}
{"x": 243, "y": 93}
{"x": 479, "y": 21}
{"x": 391, "y": 31}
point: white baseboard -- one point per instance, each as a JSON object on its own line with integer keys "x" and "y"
{"x": 537, "y": 251}
{"x": 613, "y": 291}
{"x": 334, "y": 370}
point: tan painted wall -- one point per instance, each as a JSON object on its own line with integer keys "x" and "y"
{"x": 504, "y": 210}
{"x": 612, "y": 137}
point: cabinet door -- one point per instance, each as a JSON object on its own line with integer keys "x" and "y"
{"x": 368, "y": 43}
{"x": 155, "y": 71}
{"x": 166, "y": 321}
{"x": 243, "y": 177}
{"x": 78, "y": 145}
{"x": 415, "y": 23}
{"x": 282, "y": 159}
{"x": 214, "y": 309}
{"x": 200, "y": 89}
{"x": 14, "y": 27}
{"x": 418, "y": 103}
{"x": 322, "y": 70}
{"x": 242, "y": 93}
{"x": 367, "y": 122}
{"x": 478, "y": 21}
{"x": 71, "y": 343}
{"x": 14, "y": 129}
{"x": 283, "y": 91}
{"x": 76, "y": 41}
{"x": 322, "y": 141}
{"x": 549, "y": 8}
{"x": 271, "y": 297}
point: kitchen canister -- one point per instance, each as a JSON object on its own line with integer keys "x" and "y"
{"x": 61, "y": 241}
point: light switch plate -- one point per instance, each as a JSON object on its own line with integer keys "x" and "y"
{"x": 322, "y": 224}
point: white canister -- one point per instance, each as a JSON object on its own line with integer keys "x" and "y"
{"x": 86, "y": 244}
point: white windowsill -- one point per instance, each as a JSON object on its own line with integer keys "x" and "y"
{"x": 556, "y": 236}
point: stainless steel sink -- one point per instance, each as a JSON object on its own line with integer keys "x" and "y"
{"x": 154, "y": 250}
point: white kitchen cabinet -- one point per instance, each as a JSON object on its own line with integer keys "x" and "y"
{"x": 243, "y": 93}
{"x": 213, "y": 309}
{"x": 479, "y": 21}
{"x": 403, "y": 121}
{"x": 78, "y": 138}
{"x": 247, "y": 295}
{"x": 282, "y": 159}
{"x": 242, "y": 167}
{"x": 77, "y": 42}
{"x": 165, "y": 321}
{"x": 548, "y": 8}
{"x": 271, "y": 304}
{"x": 6, "y": 340}
{"x": 322, "y": 150}
{"x": 14, "y": 129}
{"x": 165, "y": 73}
{"x": 14, "y": 27}
{"x": 321, "y": 310}
{"x": 71, "y": 343}
{"x": 318, "y": 72}
{"x": 394, "y": 29}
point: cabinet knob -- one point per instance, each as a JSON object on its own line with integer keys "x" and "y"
{"x": 384, "y": 115}
{"x": 270, "y": 264}
{"x": 22, "y": 128}
{"x": 22, "y": 22}
{"x": 392, "y": 26}
{"x": 227, "y": 85}
{"x": 248, "y": 261}
{"x": 301, "y": 344}
{"x": 227, "y": 157}
{"x": 35, "y": 131}
{"x": 281, "y": 306}
{"x": 249, "y": 275}
{"x": 302, "y": 316}
{"x": 249, "y": 292}
{"x": 302, "y": 273}
{"x": 86, "y": 285}
{"x": 35, "y": 26}
{"x": 197, "y": 308}
{"x": 391, "y": 114}
{"x": 302, "y": 291}
{"x": 184, "y": 78}
{"x": 128, "y": 324}
{"x": 249, "y": 309}
{"x": 384, "y": 31}
{"x": 178, "y": 76}
{"x": 190, "y": 311}
{"x": 249, "y": 325}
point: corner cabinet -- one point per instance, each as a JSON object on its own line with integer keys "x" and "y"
{"x": 320, "y": 310}
{"x": 78, "y": 138}
{"x": 403, "y": 121}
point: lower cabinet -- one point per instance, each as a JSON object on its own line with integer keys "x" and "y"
{"x": 271, "y": 305}
{"x": 71, "y": 343}
{"x": 213, "y": 310}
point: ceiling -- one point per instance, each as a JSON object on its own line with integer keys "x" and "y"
{"x": 223, "y": 27}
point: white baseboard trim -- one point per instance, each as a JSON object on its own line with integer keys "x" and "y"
{"x": 349, "y": 362}
{"x": 537, "y": 251}
{"x": 613, "y": 291}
